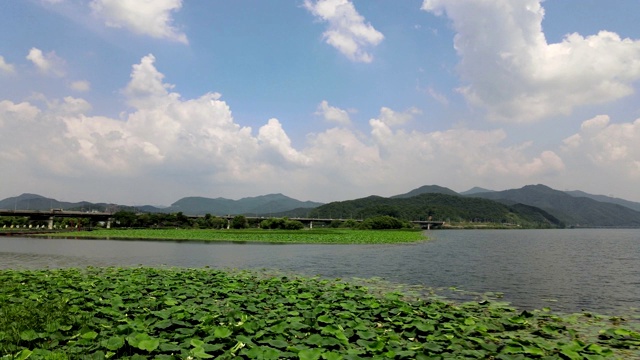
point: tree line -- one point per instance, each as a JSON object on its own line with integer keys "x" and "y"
{"x": 128, "y": 219}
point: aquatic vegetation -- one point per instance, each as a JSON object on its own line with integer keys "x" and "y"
{"x": 139, "y": 313}
{"x": 319, "y": 236}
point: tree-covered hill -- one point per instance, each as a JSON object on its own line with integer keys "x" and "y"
{"x": 571, "y": 210}
{"x": 259, "y": 205}
{"x": 436, "y": 206}
{"x": 427, "y": 189}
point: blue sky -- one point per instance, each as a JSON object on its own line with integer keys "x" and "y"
{"x": 145, "y": 102}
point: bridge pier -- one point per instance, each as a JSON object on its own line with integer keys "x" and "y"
{"x": 50, "y": 223}
{"x": 310, "y": 224}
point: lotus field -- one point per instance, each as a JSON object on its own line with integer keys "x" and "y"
{"x": 167, "y": 313}
{"x": 319, "y": 236}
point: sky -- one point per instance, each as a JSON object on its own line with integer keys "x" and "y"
{"x": 148, "y": 101}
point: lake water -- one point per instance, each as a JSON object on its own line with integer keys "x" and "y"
{"x": 566, "y": 270}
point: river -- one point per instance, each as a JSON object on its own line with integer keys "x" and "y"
{"x": 567, "y": 270}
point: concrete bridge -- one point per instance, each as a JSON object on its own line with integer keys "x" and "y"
{"x": 50, "y": 215}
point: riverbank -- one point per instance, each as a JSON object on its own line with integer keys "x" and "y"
{"x": 315, "y": 236}
{"x": 180, "y": 313}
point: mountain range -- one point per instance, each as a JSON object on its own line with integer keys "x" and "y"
{"x": 531, "y": 204}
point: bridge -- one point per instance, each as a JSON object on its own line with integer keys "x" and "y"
{"x": 50, "y": 215}
{"x": 107, "y": 217}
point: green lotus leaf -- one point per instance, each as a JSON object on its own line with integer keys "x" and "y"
{"x": 89, "y": 335}
{"x": 149, "y": 344}
{"x": 310, "y": 354}
{"x": 113, "y": 343}
{"x": 29, "y": 335}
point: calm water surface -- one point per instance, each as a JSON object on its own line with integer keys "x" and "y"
{"x": 567, "y": 270}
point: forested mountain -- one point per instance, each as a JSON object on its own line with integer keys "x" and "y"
{"x": 606, "y": 199}
{"x": 442, "y": 207}
{"x": 532, "y": 205}
{"x": 37, "y": 202}
{"x": 475, "y": 190}
{"x": 426, "y": 189}
{"x": 571, "y": 210}
{"x": 259, "y": 205}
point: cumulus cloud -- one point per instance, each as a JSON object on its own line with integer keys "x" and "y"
{"x": 272, "y": 136}
{"x": 80, "y": 86}
{"x": 511, "y": 70}
{"x": 146, "y": 17}
{"x": 347, "y": 30}
{"x": 471, "y": 153}
{"x": 612, "y": 148}
{"x": 392, "y": 118}
{"x": 178, "y": 146}
{"x": 49, "y": 63}
{"x": 333, "y": 114}
{"x": 6, "y": 67}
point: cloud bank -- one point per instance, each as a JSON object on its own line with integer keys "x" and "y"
{"x": 196, "y": 146}
{"x": 513, "y": 72}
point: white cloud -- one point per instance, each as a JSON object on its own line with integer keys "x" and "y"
{"x": 274, "y": 137}
{"x": 612, "y": 148}
{"x": 11, "y": 112}
{"x": 441, "y": 98}
{"x": 173, "y": 147}
{"x": 49, "y": 63}
{"x": 347, "y": 31}
{"x": 6, "y": 67}
{"x": 392, "y": 118}
{"x": 333, "y": 114}
{"x": 145, "y": 17}
{"x": 604, "y": 155}
{"x": 146, "y": 86}
{"x": 512, "y": 71}
{"x": 80, "y": 86}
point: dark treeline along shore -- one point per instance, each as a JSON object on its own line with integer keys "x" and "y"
{"x": 532, "y": 206}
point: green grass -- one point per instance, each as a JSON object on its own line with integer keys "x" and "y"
{"x": 319, "y": 236}
{"x": 140, "y": 313}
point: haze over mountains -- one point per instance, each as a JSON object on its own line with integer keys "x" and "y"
{"x": 530, "y": 204}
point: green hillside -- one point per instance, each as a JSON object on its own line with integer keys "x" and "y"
{"x": 258, "y": 205}
{"x": 440, "y": 207}
{"x": 571, "y": 210}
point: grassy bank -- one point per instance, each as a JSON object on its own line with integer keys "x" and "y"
{"x": 319, "y": 236}
{"x": 139, "y": 313}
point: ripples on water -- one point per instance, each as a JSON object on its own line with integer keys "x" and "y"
{"x": 567, "y": 270}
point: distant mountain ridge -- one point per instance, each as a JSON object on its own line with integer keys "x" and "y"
{"x": 476, "y": 190}
{"x": 539, "y": 202}
{"x": 573, "y": 211}
{"x": 439, "y": 206}
{"x": 608, "y": 199}
{"x": 38, "y": 202}
{"x": 258, "y": 205}
{"x": 426, "y": 189}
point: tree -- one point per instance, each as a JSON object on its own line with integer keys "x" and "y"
{"x": 125, "y": 218}
{"x": 293, "y": 225}
{"x": 239, "y": 222}
{"x": 381, "y": 223}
